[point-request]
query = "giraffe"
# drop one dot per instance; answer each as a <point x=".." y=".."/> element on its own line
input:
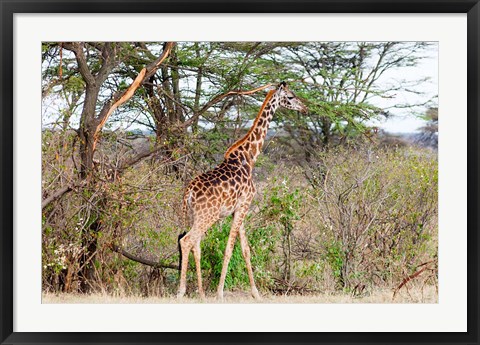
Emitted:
<point x="229" y="189"/>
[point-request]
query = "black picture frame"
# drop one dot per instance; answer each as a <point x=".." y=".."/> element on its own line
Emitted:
<point x="9" y="7"/>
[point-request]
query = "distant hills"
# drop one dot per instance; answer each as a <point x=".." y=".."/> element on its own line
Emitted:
<point x="422" y="139"/>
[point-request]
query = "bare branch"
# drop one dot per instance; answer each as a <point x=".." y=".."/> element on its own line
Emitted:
<point x="134" y="160"/>
<point x="135" y="258"/>
<point x="108" y="55"/>
<point x="58" y="194"/>
<point x="412" y="276"/>
<point x="122" y="97"/>
<point x="77" y="49"/>
<point x="217" y="99"/>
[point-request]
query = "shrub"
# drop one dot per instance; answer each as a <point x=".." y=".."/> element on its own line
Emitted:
<point x="378" y="212"/>
<point x="356" y="215"/>
<point x="261" y="241"/>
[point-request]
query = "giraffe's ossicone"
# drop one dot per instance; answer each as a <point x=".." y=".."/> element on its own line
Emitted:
<point x="229" y="189"/>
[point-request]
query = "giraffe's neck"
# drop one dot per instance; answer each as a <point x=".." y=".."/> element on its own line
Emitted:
<point x="249" y="147"/>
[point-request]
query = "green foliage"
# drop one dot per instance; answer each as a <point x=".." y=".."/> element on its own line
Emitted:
<point x="262" y="244"/>
<point x="335" y="257"/>
<point x="337" y="81"/>
<point x="282" y="207"/>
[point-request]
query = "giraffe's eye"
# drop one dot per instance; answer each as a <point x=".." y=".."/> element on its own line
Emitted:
<point x="290" y="97"/>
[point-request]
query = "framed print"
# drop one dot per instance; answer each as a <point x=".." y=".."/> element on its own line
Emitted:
<point x="337" y="141"/>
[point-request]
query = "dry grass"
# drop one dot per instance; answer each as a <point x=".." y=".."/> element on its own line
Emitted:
<point x="427" y="294"/>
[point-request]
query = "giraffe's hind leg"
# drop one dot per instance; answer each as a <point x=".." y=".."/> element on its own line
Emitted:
<point x="186" y="244"/>
<point x="191" y="241"/>
<point x="197" y="255"/>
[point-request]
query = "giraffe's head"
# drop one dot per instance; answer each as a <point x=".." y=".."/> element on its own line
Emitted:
<point x="288" y="99"/>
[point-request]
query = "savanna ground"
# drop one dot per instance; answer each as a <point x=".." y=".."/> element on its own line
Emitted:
<point x="415" y="294"/>
<point x="343" y="214"/>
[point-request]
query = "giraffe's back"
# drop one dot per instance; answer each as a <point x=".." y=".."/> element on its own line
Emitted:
<point x="218" y="192"/>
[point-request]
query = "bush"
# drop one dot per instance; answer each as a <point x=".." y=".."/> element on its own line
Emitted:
<point x="262" y="244"/>
<point x="378" y="212"/>
<point x="359" y="215"/>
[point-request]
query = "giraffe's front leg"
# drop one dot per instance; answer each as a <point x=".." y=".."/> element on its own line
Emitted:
<point x="238" y="217"/>
<point x="246" y="256"/>
<point x="226" y="259"/>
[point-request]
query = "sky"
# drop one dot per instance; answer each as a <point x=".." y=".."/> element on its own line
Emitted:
<point x="407" y="120"/>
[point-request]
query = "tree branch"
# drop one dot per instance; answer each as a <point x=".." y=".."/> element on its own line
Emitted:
<point x="155" y="65"/>
<point x="58" y="194"/>
<point x="61" y="192"/>
<point x="217" y="99"/>
<point x="135" y="258"/>
<point x="121" y="98"/>
<point x="134" y="160"/>
<point x="108" y="54"/>
<point x="77" y="49"/>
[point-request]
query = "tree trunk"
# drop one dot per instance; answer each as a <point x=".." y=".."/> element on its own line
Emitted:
<point x="327" y="131"/>
<point x="87" y="150"/>
<point x="90" y="232"/>
<point x="87" y="260"/>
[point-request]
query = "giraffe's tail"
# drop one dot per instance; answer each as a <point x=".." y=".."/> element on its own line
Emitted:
<point x="180" y="250"/>
<point x="185" y="205"/>
<point x="186" y="199"/>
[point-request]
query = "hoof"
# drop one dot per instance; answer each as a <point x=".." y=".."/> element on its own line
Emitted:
<point x="256" y="295"/>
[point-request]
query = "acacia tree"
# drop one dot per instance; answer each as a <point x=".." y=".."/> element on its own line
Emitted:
<point x="339" y="81"/>
<point x="203" y="82"/>
<point x="96" y="62"/>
